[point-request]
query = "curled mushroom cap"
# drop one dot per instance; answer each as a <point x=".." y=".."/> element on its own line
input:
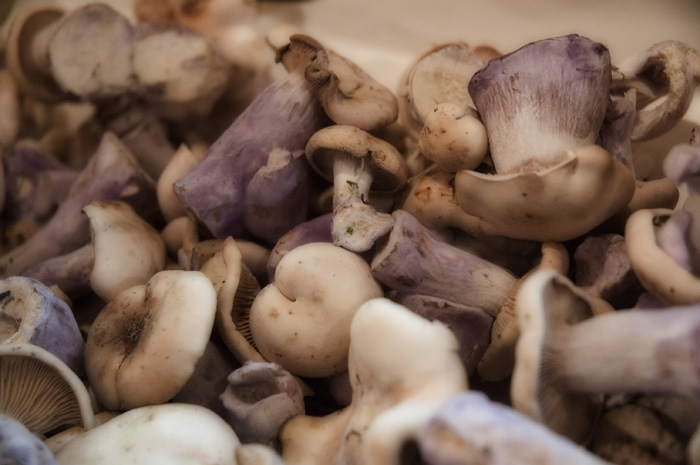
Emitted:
<point x="144" y="344"/>
<point x="302" y="320"/>
<point x="347" y="93"/>
<point x="559" y="203"/>
<point x="176" y="433"/>
<point x="41" y="391"/>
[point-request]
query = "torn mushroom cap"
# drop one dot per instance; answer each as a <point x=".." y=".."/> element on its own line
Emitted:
<point x="658" y="272"/>
<point x="41" y="391"/>
<point x="347" y="93"/>
<point x="173" y="433"/>
<point x="435" y="77"/>
<point x="301" y="321"/>
<point x="143" y="345"/>
<point x="356" y="162"/>
<point x="542" y="100"/>
<point x="665" y="76"/>
<point x="557" y="203"/>
<point x="27" y="51"/>
<point x="128" y="250"/>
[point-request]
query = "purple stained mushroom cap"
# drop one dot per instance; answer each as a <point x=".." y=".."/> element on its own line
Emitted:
<point x="19" y="446"/>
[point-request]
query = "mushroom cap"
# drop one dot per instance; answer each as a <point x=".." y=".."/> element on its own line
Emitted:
<point x="382" y="159"/>
<point x="144" y="344"/>
<point x="27" y="51"/>
<point x="547" y="303"/>
<point x="41" y="391"/>
<point x="656" y="269"/>
<point x="174" y="433"/>
<point x="19" y="446"/>
<point x="302" y="320"/>
<point x="554" y="204"/>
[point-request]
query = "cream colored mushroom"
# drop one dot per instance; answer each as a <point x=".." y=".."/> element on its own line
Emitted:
<point x="143" y="345"/>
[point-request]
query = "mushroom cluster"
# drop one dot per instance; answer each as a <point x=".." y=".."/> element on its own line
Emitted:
<point x="223" y="244"/>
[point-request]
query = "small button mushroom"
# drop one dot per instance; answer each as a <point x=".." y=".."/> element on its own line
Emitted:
<point x="566" y="358"/>
<point x="259" y="398"/>
<point x="144" y="344"/>
<point x="31" y="313"/>
<point x="111" y="174"/>
<point x="20" y="446"/>
<point x="175" y="433"/>
<point x="128" y="250"/>
<point x="453" y="137"/>
<point x="318" y="287"/>
<point x="40" y="391"/>
<point x="356" y="162"/>
<point x="469" y="428"/>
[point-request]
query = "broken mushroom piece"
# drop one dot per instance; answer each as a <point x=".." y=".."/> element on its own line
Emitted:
<point x="41" y="391"/>
<point x="346" y="92"/>
<point x="356" y="161"/>
<point x="567" y="358"/>
<point x="259" y="398"/>
<point x="175" y="433"/>
<point x="402" y="368"/>
<point x="31" y="313"/>
<point x="144" y="344"/>
<point x="301" y="321"/>
<point x="470" y="428"/>
<point x="128" y="250"/>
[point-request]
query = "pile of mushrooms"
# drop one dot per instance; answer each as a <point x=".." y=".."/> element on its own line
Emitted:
<point x="258" y="254"/>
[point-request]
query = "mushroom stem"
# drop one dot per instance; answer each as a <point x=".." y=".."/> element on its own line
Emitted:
<point x="606" y="353"/>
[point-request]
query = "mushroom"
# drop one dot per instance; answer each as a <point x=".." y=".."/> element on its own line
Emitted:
<point x="402" y="368"/>
<point x="301" y="321"/>
<point x="18" y="445"/>
<point x="182" y="162"/>
<point x="40" y="391"/>
<point x="69" y="272"/>
<point x="415" y="261"/>
<point x="355" y="161"/>
<point x="543" y="106"/>
<point x="664" y="77"/>
<point x="144" y="344"/>
<point x="10" y="105"/>
<point x="469" y="428"/>
<point x="663" y="244"/>
<point x="176" y="433"/>
<point x="111" y="174"/>
<point x="347" y="93"/>
<point x="31" y="313"/>
<point x="566" y="358"/>
<point x="289" y="113"/>
<point x="128" y="250"/>
<point x="259" y="398"/>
